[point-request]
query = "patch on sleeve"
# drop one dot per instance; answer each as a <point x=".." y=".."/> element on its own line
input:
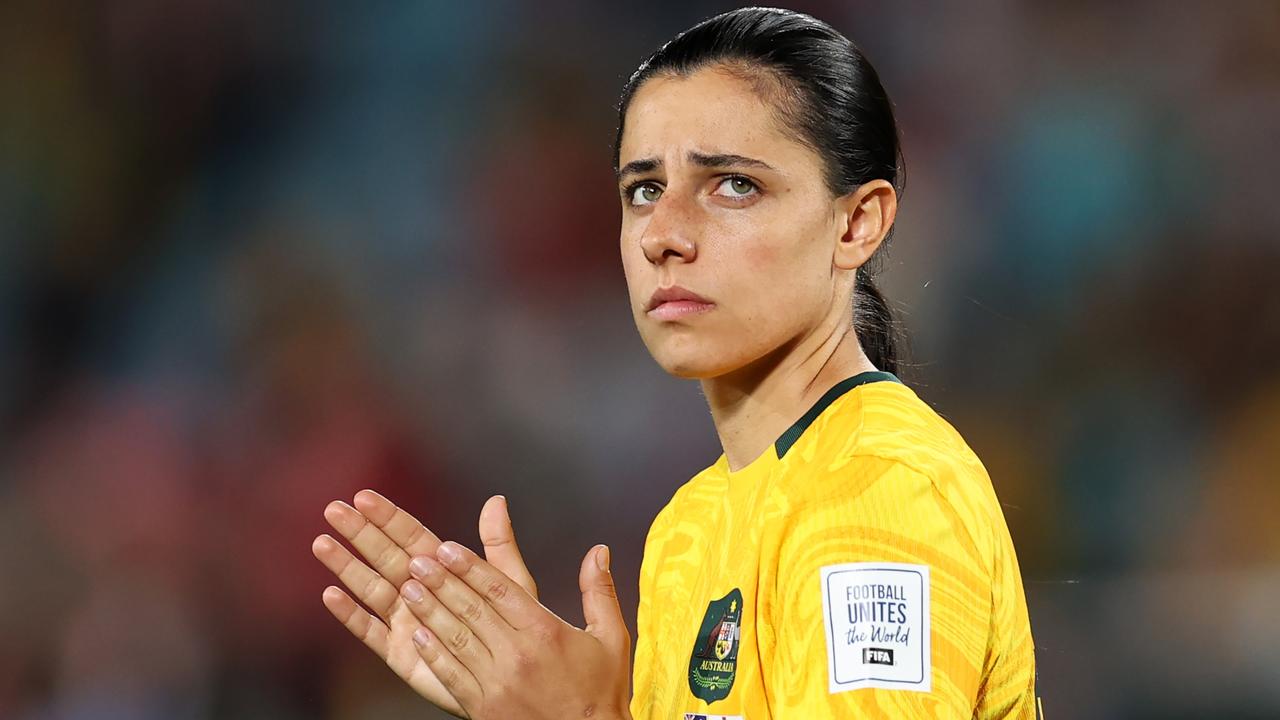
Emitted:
<point x="877" y="623"/>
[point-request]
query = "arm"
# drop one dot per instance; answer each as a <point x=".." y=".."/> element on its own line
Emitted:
<point x="883" y="602"/>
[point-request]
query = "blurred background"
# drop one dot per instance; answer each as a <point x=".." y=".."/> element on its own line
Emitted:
<point x="257" y="256"/>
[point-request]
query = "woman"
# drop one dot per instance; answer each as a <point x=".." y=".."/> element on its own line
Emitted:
<point x="846" y="555"/>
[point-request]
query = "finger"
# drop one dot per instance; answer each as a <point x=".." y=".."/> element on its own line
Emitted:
<point x="367" y="628"/>
<point x="455" y="676"/>
<point x="462" y="603"/>
<point x="403" y="528"/>
<point x="386" y="558"/>
<point x="499" y="540"/>
<point x="600" y="602"/>
<point x="460" y="640"/>
<point x="368" y="587"/>
<point x="499" y="592"/>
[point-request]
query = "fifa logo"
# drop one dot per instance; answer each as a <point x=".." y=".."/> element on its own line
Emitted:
<point x="877" y="656"/>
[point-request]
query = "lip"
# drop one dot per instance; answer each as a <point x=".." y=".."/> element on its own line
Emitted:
<point x="674" y="302"/>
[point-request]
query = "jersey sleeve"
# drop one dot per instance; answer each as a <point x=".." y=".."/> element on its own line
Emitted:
<point x="883" y="600"/>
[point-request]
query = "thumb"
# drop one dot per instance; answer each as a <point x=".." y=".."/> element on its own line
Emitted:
<point x="600" y="602"/>
<point x="499" y="540"/>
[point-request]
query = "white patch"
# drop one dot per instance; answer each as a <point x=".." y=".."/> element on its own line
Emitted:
<point x="704" y="716"/>
<point x="877" y="622"/>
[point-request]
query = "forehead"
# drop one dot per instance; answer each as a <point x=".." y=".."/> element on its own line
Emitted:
<point x="710" y="110"/>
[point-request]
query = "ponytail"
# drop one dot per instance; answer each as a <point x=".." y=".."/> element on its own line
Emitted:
<point x="878" y="332"/>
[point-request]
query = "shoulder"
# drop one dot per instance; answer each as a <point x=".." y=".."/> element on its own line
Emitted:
<point x="886" y="433"/>
<point x="885" y="457"/>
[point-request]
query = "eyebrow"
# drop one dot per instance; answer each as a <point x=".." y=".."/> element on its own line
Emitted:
<point x="716" y="160"/>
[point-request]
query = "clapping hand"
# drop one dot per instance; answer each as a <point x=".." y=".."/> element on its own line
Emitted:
<point x="469" y="634"/>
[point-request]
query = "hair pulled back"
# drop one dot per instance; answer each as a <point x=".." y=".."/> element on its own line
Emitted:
<point x="827" y="94"/>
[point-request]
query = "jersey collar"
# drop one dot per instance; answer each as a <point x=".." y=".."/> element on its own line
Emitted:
<point x="793" y="433"/>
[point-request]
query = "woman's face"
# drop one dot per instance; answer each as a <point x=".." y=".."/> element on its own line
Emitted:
<point x="718" y="199"/>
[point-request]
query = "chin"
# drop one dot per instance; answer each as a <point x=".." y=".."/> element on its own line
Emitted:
<point x="687" y="371"/>
<point x="689" y="361"/>
<point x="696" y="353"/>
<point x="700" y="358"/>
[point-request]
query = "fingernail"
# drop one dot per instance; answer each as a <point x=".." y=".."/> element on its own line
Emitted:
<point x="420" y="566"/>
<point x="449" y="552"/>
<point x="412" y="591"/>
<point x="421" y="637"/>
<point x="602" y="558"/>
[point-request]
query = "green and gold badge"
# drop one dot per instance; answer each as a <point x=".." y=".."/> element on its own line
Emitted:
<point x="714" y="661"/>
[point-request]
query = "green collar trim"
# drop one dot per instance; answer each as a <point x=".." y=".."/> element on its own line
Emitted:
<point x="793" y="433"/>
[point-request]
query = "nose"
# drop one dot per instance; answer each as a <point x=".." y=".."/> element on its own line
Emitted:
<point x="669" y="234"/>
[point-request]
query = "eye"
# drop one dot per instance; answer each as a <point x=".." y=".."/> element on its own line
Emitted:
<point x="736" y="186"/>
<point x="644" y="193"/>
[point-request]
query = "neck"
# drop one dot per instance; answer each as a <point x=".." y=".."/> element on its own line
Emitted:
<point x="752" y="406"/>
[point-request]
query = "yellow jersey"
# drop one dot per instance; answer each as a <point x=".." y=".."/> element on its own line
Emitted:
<point x="860" y="567"/>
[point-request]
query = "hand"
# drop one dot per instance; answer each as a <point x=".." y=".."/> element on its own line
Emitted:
<point x="387" y="537"/>
<point x="501" y="654"/>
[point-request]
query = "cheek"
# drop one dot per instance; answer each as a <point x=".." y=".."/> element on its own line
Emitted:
<point x="781" y="270"/>
<point x="789" y="282"/>
<point x="764" y="265"/>
<point x="761" y="259"/>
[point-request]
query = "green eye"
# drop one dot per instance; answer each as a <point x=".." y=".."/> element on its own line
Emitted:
<point x="645" y="193"/>
<point x="736" y="187"/>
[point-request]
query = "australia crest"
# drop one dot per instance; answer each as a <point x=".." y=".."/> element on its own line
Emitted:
<point x="714" y="661"/>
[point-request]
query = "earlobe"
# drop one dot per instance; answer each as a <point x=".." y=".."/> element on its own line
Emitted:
<point x="869" y="213"/>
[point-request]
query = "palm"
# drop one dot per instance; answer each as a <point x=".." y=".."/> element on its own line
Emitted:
<point x="389" y="538"/>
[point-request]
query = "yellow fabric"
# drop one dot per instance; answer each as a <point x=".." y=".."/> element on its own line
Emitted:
<point x="877" y="476"/>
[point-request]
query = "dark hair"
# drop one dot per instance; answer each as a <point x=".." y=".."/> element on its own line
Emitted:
<point x="827" y="93"/>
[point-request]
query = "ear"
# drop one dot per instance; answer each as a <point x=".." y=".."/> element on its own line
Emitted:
<point x="867" y="214"/>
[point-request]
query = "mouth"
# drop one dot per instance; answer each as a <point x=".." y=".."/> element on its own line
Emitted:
<point x="675" y="302"/>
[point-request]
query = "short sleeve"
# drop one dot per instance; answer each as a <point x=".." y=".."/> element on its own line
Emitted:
<point x="883" y="599"/>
